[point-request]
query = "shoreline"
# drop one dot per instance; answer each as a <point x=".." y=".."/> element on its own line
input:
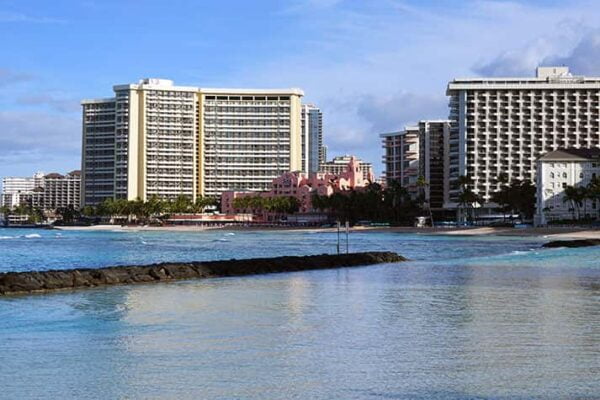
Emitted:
<point x="542" y="232"/>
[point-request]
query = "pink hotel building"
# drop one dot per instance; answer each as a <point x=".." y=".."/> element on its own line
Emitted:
<point x="303" y="186"/>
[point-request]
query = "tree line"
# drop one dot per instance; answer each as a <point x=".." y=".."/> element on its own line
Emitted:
<point x="141" y="210"/>
<point x="375" y="203"/>
<point x="395" y="205"/>
<point x="280" y="205"/>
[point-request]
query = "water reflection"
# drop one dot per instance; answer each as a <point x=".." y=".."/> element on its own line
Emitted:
<point x="414" y="330"/>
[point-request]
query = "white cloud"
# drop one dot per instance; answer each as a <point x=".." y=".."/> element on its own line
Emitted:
<point x="386" y="64"/>
<point x="516" y="62"/>
<point x="583" y="59"/>
<point x="9" y="77"/>
<point x="8" y="16"/>
<point x="54" y="102"/>
<point x="37" y="137"/>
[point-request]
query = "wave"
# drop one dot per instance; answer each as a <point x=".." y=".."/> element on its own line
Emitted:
<point x="7" y="237"/>
<point x="33" y="236"/>
<point x="230" y="234"/>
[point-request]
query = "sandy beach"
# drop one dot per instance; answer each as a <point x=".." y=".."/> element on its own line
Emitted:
<point x="547" y="232"/>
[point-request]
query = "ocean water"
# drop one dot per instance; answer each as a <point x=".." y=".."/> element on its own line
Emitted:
<point x="466" y="318"/>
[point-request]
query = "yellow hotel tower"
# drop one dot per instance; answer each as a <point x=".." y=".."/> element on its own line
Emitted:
<point x="154" y="138"/>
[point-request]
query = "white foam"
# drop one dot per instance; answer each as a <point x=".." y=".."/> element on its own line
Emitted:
<point x="33" y="236"/>
<point x="6" y="237"/>
<point x="519" y="252"/>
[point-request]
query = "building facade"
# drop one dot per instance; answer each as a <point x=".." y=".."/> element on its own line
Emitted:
<point x="16" y="189"/>
<point x="313" y="150"/>
<point x="303" y="186"/>
<point x="557" y="170"/>
<point x="45" y="191"/>
<point x="503" y="125"/>
<point x="60" y="191"/>
<point x="338" y="166"/>
<point x="401" y="158"/>
<point x="157" y="139"/>
<point x="433" y="161"/>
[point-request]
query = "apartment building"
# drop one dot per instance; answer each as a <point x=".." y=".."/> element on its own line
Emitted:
<point x="555" y="171"/>
<point x="401" y="158"/>
<point x="155" y="138"/>
<point x="60" y="191"/>
<point x="14" y="189"/>
<point x="503" y="125"/>
<point x="313" y="150"/>
<point x="45" y="191"/>
<point x="433" y="161"/>
<point x="98" y="150"/>
<point x="338" y="166"/>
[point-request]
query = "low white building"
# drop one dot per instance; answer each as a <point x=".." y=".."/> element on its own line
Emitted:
<point x="45" y="191"/>
<point x="561" y="168"/>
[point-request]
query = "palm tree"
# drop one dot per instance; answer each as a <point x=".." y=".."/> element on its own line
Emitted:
<point x="464" y="181"/>
<point x="467" y="198"/>
<point x="593" y="192"/>
<point x="182" y="204"/>
<point x="574" y="196"/>
<point x="5" y="211"/>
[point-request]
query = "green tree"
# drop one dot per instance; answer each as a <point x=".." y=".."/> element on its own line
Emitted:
<point x="182" y="204"/>
<point x="68" y="214"/>
<point x="422" y="185"/>
<point x="576" y="196"/>
<point x="593" y="192"/>
<point x="464" y="182"/>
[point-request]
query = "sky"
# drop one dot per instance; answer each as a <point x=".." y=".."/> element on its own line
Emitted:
<point x="372" y="66"/>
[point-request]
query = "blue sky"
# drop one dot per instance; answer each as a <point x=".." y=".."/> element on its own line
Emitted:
<point x="372" y="66"/>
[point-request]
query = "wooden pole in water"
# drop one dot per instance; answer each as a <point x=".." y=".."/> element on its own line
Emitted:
<point x="338" y="237"/>
<point x="347" y="232"/>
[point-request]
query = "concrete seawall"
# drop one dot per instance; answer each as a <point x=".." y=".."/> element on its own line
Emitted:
<point x="44" y="281"/>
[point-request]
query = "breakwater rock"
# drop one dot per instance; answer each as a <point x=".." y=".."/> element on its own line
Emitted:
<point x="573" y="243"/>
<point x="41" y="281"/>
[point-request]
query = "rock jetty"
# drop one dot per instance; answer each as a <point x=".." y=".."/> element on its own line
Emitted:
<point x="572" y="243"/>
<point x="43" y="281"/>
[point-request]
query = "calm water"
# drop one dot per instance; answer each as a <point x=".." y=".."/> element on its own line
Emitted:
<point x="467" y="318"/>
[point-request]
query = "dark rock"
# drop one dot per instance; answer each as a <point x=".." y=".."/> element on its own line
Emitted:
<point x="28" y="282"/>
<point x="572" y="243"/>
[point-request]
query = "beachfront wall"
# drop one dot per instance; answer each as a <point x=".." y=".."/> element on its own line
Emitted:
<point x="302" y="186"/>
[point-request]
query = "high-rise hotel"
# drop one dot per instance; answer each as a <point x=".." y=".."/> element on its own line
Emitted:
<point x="313" y="150"/>
<point x="154" y="138"/>
<point x="503" y="125"/>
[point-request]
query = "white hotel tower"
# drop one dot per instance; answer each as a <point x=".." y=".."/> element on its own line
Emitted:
<point x="503" y="125"/>
<point x="154" y="138"/>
